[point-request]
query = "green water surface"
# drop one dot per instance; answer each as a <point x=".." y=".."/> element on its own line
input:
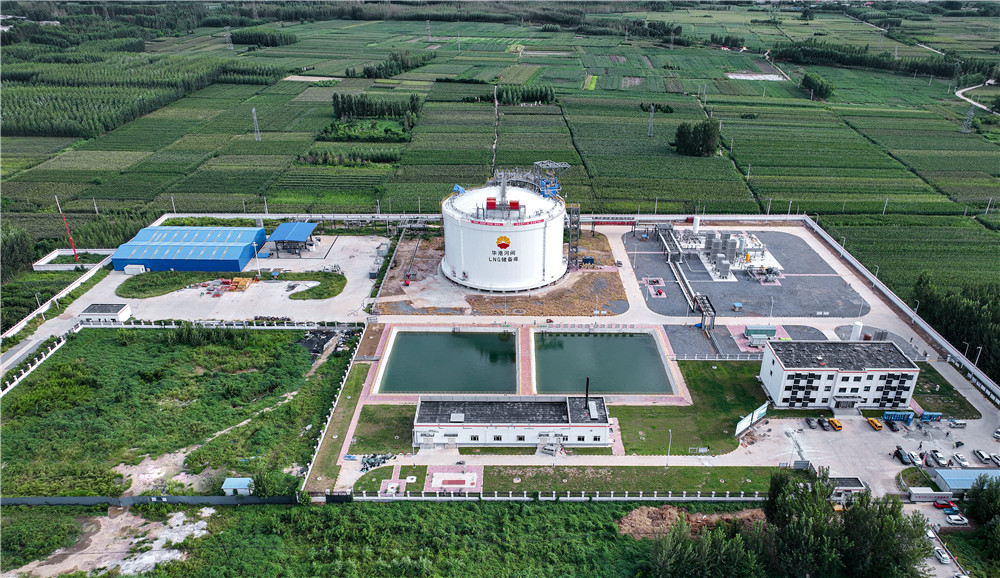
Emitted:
<point x="615" y="363"/>
<point x="444" y="362"/>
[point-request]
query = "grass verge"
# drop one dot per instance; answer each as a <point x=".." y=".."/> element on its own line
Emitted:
<point x="501" y="451"/>
<point x="325" y="470"/>
<point x="330" y="284"/>
<point x="721" y="396"/>
<point x="620" y="479"/>
<point x="384" y="429"/>
<point x="934" y="393"/>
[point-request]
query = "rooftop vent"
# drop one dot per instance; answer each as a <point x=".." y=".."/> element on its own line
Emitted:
<point x="457" y="417"/>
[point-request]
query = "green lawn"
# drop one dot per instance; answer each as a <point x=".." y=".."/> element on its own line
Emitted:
<point x="721" y="397"/>
<point x="626" y="478"/>
<point x="934" y="393"/>
<point x="915" y="477"/>
<point x="156" y="283"/>
<point x="372" y="481"/>
<point x="330" y="284"/>
<point x="384" y="429"/>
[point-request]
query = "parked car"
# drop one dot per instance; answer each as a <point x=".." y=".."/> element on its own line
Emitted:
<point x="939" y="458"/>
<point x="892" y="425"/>
<point x="996" y="459"/>
<point x="981" y="456"/>
<point x="942" y="556"/>
<point x="823" y="423"/>
<point x="903" y="456"/>
<point x="961" y="460"/>
<point x="996" y="434"/>
<point x="952" y="511"/>
<point x="811" y="423"/>
<point x="835" y="424"/>
<point x="956" y="520"/>
<point x="917" y="461"/>
<point x="942" y="504"/>
<point x="876" y="424"/>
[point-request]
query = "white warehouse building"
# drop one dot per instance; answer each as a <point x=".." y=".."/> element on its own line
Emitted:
<point x="504" y="237"/>
<point x="841" y="374"/>
<point x="516" y="420"/>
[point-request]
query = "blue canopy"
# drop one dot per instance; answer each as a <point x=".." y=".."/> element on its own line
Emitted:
<point x="294" y="232"/>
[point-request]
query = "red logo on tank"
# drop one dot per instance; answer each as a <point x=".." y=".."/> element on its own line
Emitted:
<point x="503" y="242"/>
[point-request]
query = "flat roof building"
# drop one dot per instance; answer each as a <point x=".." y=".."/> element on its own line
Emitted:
<point x="958" y="480"/>
<point x="511" y="421"/>
<point x="107" y="312"/>
<point x="843" y="374"/>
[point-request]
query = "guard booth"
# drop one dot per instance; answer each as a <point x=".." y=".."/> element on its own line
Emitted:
<point x="759" y="334"/>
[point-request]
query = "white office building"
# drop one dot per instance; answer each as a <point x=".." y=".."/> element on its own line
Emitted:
<point x="516" y="420"/>
<point x="838" y="374"/>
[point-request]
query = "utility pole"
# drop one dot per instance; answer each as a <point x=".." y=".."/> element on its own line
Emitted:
<point x="649" y="132"/>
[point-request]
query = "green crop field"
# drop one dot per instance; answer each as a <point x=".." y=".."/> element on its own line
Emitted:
<point x="167" y="124"/>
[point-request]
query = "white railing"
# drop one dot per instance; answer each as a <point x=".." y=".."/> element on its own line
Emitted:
<point x="8" y="385"/>
<point x="333" y="408"/>
<point x="554" y="496"/>
<point x="45" y="306"/>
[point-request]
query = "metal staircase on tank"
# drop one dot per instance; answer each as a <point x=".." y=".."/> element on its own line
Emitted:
<point x="573" y="213"/>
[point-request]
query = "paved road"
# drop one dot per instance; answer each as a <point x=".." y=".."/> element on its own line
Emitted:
<point x="961" y="94"/>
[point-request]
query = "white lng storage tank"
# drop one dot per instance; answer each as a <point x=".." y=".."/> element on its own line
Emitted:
<point x="506" y="236"/>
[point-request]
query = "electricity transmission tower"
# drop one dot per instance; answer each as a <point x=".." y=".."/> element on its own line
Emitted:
<point x="256" y="127"/>
<point x="967" y="123"/>
<point x="649" y="132"/>
<point x="428" y="30"/>
<point x="229" y="39"/>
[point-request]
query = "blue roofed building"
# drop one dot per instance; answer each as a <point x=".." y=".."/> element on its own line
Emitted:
<point x="191" y="248"/>
<point x="958" y="480"/>
<point x="237" y="486"/>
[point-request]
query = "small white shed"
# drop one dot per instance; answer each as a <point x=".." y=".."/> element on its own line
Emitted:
<point x="107" y="312"/>
<point x="238" y="487"/>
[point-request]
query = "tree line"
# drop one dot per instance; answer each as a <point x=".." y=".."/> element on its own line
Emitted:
<point x="967" y="314"/>
<point x="261" y="36"/>
<point x="802" y="535"/>
<point x="817" y="86"/>
<point x="397" y="63"/>
<point x="697" y="139"/>
<point x="352" y="157"/>
<point x="347" y="106"/>
<point x="516" y="94"/>
<point x="828" y="54"/>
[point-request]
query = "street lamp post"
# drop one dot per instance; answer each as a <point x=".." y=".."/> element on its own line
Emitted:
<point x="39" y="305"/>
<point x="978" y="351"/>
<point x="670" y="441"/>
<point x="771" y="314"/>
<point x="256" y="259"/>
<point x="966" y="354"/>
<point x="915" y="311"/>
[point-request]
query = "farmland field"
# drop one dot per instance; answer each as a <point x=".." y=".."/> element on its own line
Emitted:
<point x="884" y="141"/>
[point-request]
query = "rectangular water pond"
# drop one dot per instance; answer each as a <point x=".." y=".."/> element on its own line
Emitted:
<point x="445" y="362"/>
<point x="615" y="362"/>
